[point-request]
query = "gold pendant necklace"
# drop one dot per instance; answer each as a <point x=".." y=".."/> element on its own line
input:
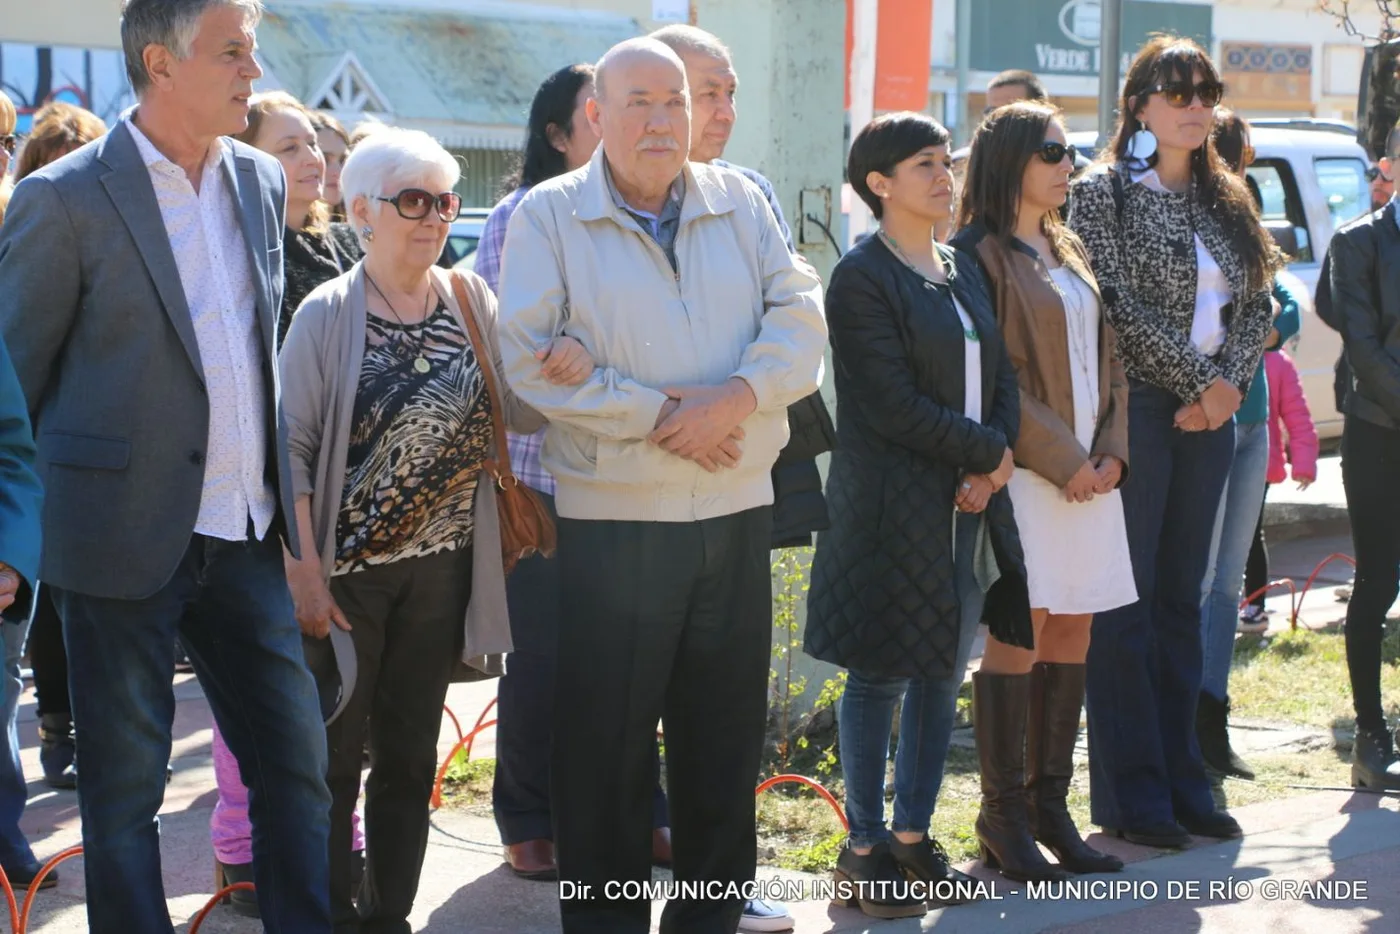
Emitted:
<point x="420" y="362"/>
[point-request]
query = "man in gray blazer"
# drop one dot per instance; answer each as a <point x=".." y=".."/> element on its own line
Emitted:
<point x="139" y="280"/>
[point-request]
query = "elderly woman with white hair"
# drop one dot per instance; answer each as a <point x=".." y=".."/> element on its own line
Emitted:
<point x="390" y="412"/>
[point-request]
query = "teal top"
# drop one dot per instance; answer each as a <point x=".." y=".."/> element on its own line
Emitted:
<point x="1254" y="410"/>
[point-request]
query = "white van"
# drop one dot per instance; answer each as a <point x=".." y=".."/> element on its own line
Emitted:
<point x="1311" y="176"/>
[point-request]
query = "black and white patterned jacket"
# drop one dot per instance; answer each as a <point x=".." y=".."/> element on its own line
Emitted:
<point x="1147" y="273"/>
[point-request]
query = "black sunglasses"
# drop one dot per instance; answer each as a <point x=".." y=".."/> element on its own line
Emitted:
<point x="1180" y="94"/>
<point x="413" y="204"/>
<point x="1374" y="172"/>
<point x="8" y="142"/>
<point x="1053" y="153"/>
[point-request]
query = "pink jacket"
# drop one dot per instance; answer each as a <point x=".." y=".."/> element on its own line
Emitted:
<point x="1288" y="414"/>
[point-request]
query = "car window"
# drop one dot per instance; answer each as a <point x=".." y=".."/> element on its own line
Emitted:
<point x="1343" y="182"/>
<point x="1281" y="206"/>
<point x="460" y="246"/>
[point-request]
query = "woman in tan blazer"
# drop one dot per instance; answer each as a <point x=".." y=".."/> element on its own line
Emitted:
<point x="1072" y="451"/>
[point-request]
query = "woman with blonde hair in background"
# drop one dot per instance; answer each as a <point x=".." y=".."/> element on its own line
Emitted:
<point x="9" y="142"/>
<point x="314" y="250"/>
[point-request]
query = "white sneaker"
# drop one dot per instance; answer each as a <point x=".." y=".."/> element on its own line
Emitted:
<point x="1253" y="619"/>
<point x="761" y="916"/>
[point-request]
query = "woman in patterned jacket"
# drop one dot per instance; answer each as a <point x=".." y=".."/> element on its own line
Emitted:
<point x="1184" y="268"/>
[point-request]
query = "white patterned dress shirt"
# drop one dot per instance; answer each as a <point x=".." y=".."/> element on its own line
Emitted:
<point x="217" y="275"/>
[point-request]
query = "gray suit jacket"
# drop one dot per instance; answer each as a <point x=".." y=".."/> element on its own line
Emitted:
<point x="96" y="321"/>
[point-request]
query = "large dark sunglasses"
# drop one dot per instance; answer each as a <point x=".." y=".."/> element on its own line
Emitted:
<point x="1052" y="153"/>
<point x="413" y="204"/>
<point x="8" y="142"/>
<point x="1180" y="94"/>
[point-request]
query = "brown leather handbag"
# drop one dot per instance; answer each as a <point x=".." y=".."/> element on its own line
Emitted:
<point x="526" y="526"/>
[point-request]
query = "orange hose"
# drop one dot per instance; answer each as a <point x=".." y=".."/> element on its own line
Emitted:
<point x="38" y="878"/>
<point x="435" y="801"/>
<point x="213" y="902"/>
<point x="479" y="720"/>
<point x="803" y="780"/>
<point x="1298" y="598"/>
<point x="10" y="899"/>
<point x="453" y="717"/>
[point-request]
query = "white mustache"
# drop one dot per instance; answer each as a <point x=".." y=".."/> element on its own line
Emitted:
<point x="656" y="142"/>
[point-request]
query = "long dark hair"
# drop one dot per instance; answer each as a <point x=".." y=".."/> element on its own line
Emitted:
<point x="1164" y="59"/>
<point x="1002" y="146"/>
<point x="553" y="106"/>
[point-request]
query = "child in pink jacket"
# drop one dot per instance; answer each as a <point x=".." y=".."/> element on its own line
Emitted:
<point x="1289" y="417"/>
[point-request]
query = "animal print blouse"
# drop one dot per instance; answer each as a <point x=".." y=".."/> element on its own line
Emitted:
<point x="1143" y="253"/>
<point x="418" y="438"/>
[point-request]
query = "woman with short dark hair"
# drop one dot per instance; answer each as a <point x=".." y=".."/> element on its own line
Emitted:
<point x="922" y="535"/>
<point x="1184" y="268"/>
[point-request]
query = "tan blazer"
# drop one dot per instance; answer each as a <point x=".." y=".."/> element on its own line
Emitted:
<point x="1031" y="316"/>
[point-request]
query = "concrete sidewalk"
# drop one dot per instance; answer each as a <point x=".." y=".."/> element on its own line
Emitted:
<point x="1324" y="836"/>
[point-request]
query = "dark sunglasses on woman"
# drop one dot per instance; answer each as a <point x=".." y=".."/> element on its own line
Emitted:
<point x="413" y="204"/>
<point x="1054" y="153"/>
<point x="8" y="142"/>
<point x="1180" y="94"/>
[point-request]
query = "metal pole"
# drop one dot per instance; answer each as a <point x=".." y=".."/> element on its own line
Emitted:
<point x="1110" y="50"/>
<point x="865" y="29"/>
<point x="963" y="132"/>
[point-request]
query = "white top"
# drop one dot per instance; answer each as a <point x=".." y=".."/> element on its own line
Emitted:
<point x="216" y="274"/>
<point x="972" y="365"/>
<point x="1077" y="558"/>
<point x="1082" y="335"/>
<point x="1212" y="288"/>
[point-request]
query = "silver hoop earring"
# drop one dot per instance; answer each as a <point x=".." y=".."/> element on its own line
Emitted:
<point x="367" y="233"/>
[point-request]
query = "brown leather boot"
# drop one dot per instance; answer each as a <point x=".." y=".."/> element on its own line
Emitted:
<point x="1056" y="697"/>
<point x="999" y="722"/>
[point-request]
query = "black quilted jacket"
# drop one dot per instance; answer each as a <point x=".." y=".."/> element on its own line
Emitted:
<point x="799" y="507"/>
<point x="883" y="598"/>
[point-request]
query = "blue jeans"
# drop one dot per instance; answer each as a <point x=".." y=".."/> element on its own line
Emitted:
<point x="228" y="602"/>
<point x="1144" y="665"/>
<point x="1235" y="523"/>
<point x="15" y="853"/>
<point x="866" y="715"/>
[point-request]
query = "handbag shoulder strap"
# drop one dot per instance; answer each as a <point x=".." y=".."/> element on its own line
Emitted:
<point x="488" y="373"/>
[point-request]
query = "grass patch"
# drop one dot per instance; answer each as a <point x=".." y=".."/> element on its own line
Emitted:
<point x="1301" y="677"/>
<point x="467" y="782"/>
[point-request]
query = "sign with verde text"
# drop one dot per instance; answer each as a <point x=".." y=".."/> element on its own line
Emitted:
<point x="1061" y="37"/>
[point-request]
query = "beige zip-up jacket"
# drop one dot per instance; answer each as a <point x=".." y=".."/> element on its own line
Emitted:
<point x="576" y="264"/>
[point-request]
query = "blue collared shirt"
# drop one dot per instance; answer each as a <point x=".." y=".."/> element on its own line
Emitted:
<point x="663" y="227"/>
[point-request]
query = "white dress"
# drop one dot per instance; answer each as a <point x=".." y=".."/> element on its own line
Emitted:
<point x="1076" y="553"/>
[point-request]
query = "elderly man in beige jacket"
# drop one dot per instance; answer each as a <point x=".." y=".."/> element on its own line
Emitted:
<point x="676" y="279"/>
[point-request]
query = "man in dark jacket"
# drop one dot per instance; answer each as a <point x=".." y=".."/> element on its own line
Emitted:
<point x="1364" y="305"/>
<point x="799" y="508"/>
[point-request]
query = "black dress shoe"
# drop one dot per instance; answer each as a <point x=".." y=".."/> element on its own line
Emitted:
<point x="1170" y="836"/>
<point x="927" y="862"/>
<point x="24" y="878"/>
<point x="1216" y="824"/>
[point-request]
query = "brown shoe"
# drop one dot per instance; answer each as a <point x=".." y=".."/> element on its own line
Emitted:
<point x="533" y="859"/>
<point x="661" y="847"/>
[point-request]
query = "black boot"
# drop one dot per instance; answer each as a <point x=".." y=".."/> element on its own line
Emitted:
<point x="57" y="751"/>
<point x="1057" y="695"/>
<point x="926" y="862"/>
<point x="1213" y="734"/>
<point x="999" y="705"/>
<point x="1373" y="761"/>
